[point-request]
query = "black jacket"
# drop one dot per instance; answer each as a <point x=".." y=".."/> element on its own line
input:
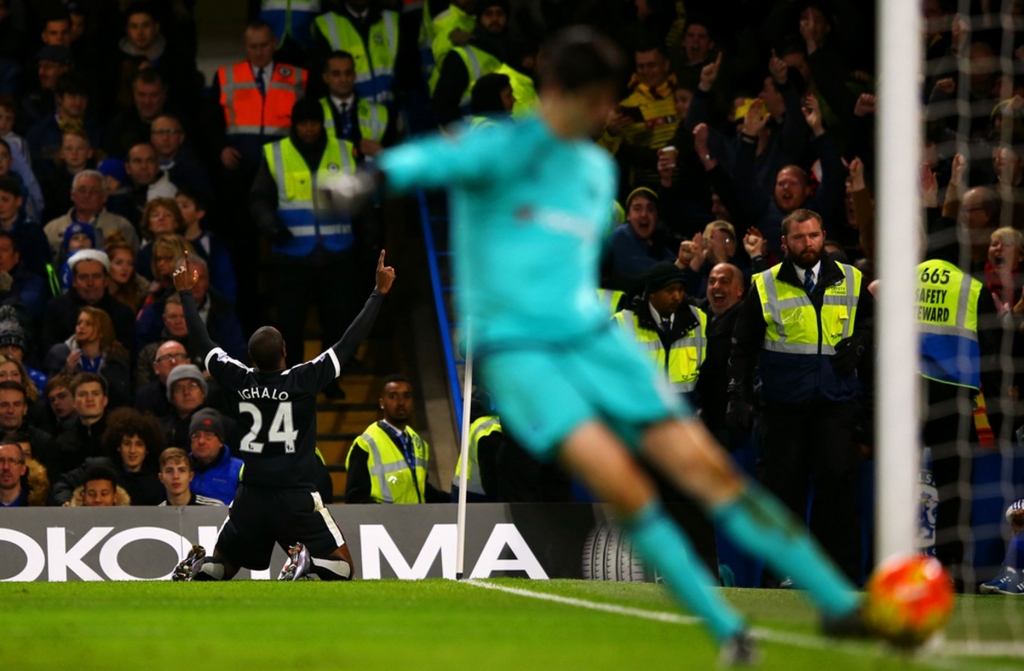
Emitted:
<point x="796" y="378"/>
<point x="80" y="443"/>
<point x="713" y="383"/>
<point x="144" y="488"/>
<point x="152" y="399"/>
<point x="684" y="322"/>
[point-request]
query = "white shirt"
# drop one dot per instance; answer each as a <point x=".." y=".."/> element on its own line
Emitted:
<point x="268" y="74"/>
<point x="350" y="101"/>
<point x="204" y="309"/>
<point x="658" y="318"/>
<point x="400" y="432"/>
<point x="358" y="15"/>
<point x="800" y="273"/>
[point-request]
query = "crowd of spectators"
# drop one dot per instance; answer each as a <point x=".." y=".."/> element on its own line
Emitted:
<point x="742" y="120"/>
<point x="740" y="133"/>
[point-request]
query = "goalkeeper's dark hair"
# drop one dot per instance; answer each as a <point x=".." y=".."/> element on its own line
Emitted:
<point x="266" y="348"/>
<point x="581" y="56"/>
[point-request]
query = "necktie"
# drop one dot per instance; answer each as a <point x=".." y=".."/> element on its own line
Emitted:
<point x="809" y="281"/>
<point x="260" y="84"/>
<point x="346" y="122"/>
<point x="666" y="324"/>
<point x="410" y="456"/>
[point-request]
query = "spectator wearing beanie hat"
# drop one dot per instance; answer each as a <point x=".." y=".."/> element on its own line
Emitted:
<point x="14" y="343"/>
<point x="115" y="177"/>
<point x="88" y="286"/>
<point x="187" y="392"/>
<point x="216" y="470"/>
<point x="77" y="236"/>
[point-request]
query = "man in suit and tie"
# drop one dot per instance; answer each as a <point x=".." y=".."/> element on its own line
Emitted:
<point x="363" y="123"/>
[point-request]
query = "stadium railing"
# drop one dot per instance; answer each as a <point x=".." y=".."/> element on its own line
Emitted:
<point x="434" y="220"/>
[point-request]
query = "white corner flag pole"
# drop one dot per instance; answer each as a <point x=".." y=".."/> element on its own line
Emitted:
<point x="898" y="154"/>
<point x="467" y="398"/>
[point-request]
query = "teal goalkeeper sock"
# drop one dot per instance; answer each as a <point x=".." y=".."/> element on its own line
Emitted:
<point x="758" y="524"/>
<point x="665" y="547"/>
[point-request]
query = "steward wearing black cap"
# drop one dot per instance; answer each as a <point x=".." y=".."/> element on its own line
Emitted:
<point x="312" y="245"/>
<point x="671" y="330"/>
<point x="463" y="66"/>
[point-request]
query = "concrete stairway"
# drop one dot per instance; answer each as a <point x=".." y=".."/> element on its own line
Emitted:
<point x="338" y="423"/>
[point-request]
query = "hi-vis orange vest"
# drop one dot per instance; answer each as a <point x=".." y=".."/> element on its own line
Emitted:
<point x="248" y="112"/>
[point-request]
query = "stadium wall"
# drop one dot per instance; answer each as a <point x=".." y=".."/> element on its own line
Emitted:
<point x="537" y="541"/>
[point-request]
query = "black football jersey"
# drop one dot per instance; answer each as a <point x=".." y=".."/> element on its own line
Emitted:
<point x="277" y="411"/>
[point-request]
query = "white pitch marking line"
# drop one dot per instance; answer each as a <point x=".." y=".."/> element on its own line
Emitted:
<point x="967" y="649"/>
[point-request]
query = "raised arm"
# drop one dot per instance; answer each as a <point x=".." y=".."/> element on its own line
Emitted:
<point x="184" y="279"/>
<point x="360" y="327"/>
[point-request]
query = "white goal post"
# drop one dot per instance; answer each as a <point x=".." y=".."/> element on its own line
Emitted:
<point x="899" y="138"/>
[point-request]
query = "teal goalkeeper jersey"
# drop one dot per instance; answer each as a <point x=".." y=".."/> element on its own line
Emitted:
<point x="529" y="212"/>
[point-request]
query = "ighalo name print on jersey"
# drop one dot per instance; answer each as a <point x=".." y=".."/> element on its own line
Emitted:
<point x="278" y="413"/>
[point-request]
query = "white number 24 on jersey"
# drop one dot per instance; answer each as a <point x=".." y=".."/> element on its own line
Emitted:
<point x="282" y="428"/>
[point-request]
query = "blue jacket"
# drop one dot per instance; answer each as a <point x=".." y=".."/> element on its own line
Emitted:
<point x="631" y="256"/>
<point x="219" y="480"/>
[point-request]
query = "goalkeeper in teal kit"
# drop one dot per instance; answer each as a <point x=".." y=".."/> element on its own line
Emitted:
<point x="529" y="204"/>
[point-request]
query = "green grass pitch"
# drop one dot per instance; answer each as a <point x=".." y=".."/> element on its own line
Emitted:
<point x="432" y="624"/>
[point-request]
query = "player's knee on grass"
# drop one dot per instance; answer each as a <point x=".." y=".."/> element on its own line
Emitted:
<point x="216" y="568"/>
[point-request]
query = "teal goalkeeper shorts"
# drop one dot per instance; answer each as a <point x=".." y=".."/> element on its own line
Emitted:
<point x="543" y="392"/>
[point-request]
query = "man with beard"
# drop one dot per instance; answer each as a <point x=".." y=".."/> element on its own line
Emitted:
<point x="806" y="324"/>
<point x="393" y="447"/>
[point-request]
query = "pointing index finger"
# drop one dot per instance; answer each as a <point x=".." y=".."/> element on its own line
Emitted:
<point x="380" y="262"/>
